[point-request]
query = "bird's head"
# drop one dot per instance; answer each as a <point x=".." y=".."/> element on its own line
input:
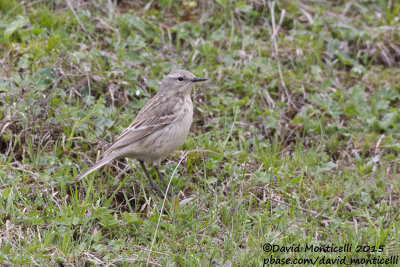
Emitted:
<point x="179" y="81"/>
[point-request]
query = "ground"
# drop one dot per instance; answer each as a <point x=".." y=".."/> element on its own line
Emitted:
<point x="295" y="139"/>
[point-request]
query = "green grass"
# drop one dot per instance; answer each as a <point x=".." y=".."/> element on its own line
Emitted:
<point x="308" y="156"/>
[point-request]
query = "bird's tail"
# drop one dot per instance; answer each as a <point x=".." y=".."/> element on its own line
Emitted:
<point x="96" y="166"/>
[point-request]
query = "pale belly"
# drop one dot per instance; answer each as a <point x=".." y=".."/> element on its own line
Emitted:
<point x="159" y="145"/>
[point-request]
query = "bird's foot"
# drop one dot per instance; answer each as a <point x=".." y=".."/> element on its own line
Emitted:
<point x="163" y="181"/>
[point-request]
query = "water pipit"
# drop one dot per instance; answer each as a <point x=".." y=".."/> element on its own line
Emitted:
<point x="160" y="127"/>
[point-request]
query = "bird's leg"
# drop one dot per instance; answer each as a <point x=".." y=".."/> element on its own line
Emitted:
<point x="148" y="176"/>
<point x="162" y="179"/>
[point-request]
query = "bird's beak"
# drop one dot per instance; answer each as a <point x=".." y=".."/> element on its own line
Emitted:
<point x="195" y="80"/>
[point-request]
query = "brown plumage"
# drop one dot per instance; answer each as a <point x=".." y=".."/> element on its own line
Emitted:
<point x="160" y="127"/>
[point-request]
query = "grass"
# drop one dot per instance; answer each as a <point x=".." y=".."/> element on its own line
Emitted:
<point x="295" y="137"/>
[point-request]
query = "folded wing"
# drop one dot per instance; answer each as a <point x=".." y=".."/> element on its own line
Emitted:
<point x="140" y="129"/>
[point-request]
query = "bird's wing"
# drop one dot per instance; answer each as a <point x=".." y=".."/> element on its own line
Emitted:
<point x="158" y="113"/>
<point x="140" y="129"/>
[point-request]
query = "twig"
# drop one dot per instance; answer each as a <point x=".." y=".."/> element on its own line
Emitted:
<point x="79" y="21"/>
<point x="162" y="207"/>
<point x="116" y="31"/>
<point x="275" y="31"/>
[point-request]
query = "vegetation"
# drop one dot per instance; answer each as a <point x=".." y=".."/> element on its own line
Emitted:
<point x="295" y="137"/>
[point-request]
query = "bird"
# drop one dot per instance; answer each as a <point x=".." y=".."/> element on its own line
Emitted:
<point x="159" y="128"/>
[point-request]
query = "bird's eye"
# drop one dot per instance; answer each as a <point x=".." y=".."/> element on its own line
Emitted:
<point x="180" y="79"/>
